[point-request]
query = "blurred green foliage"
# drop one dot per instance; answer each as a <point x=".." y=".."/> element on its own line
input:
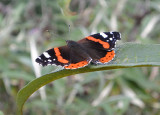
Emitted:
<point x="31" y="27"/>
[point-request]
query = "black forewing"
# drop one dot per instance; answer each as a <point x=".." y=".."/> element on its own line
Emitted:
<point x="52" y="59"/>
<point x="110" y="37"/>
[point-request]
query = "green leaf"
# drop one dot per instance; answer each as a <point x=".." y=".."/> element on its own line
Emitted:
<point x="127" y="55"/>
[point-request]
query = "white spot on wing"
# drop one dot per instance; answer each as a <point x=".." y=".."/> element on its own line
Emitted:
<point x="111" y="32"/>
<point x="111" y="39"/>
<point x="46" y="55"/>
<point x="104" y="35"/>
<point x="50" y="60"/>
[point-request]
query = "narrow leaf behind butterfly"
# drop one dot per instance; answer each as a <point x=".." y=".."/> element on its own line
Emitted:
<point x="127" y="55"/>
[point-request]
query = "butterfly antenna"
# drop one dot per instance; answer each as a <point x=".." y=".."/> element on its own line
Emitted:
<point x="69" y="26"/>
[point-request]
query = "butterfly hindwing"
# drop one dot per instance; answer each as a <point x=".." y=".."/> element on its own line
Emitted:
<point x="78" y="56"/>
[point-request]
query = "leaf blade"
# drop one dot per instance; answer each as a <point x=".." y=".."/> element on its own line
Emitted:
<point x="127" y="55"/>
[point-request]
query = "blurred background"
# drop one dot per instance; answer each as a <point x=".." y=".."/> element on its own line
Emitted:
<point x="29" y="27"/>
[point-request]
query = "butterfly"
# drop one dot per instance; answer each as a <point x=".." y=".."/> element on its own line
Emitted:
<point x="96" y="48"/>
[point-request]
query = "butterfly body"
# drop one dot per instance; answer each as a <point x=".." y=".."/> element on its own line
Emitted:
<point x="96" y="48"/>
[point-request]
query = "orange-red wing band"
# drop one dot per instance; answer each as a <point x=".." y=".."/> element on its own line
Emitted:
<point x="104" y="44"/>
<point x="59" y="57"/>
<point x="108" y="57"/>
<point x="77" y="65"/>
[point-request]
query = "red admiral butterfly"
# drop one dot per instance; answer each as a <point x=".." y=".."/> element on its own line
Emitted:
<point x="96" y="48"/>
